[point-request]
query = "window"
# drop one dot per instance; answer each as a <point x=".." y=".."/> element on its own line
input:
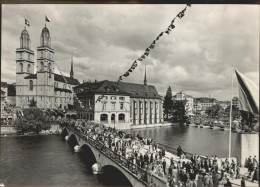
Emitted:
<point x="141" y="105"/>
<point x="146" y="105"/>
<point x="105" y="97"/>
<point x="121" y="117"/>
<point x="156" y="105"/>
<point x="20" y="55"/>
<point x="21" y="67"/>
<point x="122" y="98"/>
<point x="113" y="98"/>
<point x="104" y="106"/>
<point x="28" y="68"/>
<point x="135" y="105"/>
<point x="41" y="53"/>
<point x="113" y="106"/>
<point x="31" y="85"/>
<point x="42" y="66"/>
<point x="28" y="98"/>
<point x="151" y="106"/>
<point x="41" y="98"/>
<point x="121" y="106"/>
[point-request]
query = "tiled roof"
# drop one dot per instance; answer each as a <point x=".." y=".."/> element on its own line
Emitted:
<point x="72" y="81"/>
<point x="32" y="76"/>
<point x="140" y="90"/>
<point x="62" y="90"/>
<point x="131" y="89"/>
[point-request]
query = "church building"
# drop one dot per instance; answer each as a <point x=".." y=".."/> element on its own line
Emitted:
<point x="44" y="87"/>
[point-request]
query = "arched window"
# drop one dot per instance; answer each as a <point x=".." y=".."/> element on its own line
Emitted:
<point x="28" y="68"/>
<point x="49" y="67"/>
<point x="103" y="117"/>
<point x="31" y="85"/>
<point x="42" y="66"/>
<point x="21" y="67"/>
<point x="121" y="117"/>
<point x="113" y="116"/>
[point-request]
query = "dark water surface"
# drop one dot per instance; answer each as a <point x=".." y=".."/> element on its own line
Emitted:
<point x="50" y="161"/>
<point x="203" y="141"/>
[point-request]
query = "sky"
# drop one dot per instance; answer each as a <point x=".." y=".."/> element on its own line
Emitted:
<point x="104" y="40"/>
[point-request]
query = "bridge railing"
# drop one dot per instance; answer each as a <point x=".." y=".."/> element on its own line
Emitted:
<point x="142" y="175"/>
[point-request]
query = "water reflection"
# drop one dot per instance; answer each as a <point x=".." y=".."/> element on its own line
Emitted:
<point x="195" y="140"/>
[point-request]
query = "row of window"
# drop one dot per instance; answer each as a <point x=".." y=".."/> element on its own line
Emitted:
<point x="114" y="98"/>
<point x="113" y="106"/>
<point x="56" y="85"/>
<point x="146" y="105"/>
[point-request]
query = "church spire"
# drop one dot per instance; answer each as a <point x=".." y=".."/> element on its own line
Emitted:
<point x="71" y="70"/>
<point x="145" y="81"/>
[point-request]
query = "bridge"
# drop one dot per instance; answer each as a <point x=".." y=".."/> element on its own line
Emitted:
<point x="106" y="157"/>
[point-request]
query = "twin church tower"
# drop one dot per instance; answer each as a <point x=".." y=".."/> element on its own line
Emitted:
<point x="42" y="88"/>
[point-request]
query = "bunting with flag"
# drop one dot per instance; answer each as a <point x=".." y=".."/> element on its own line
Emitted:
<point x="248" y="94"/>
<point x="152" y="45"/>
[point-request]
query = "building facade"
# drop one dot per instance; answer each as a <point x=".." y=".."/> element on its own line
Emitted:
<point x="43" y="87"/>
<point x="181" y="96"/>
<point x="132" y="104"/>
<point x="202" y="103"/>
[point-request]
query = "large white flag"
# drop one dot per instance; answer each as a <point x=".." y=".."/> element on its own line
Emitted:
<point x="248" y="94"/>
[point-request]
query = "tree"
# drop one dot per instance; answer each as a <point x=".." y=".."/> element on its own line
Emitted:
<point x="179" y="112"/>
<point x="167" y="103"/>
<point x="248" y="120"/>
<point x="33" y="120"/>
<point x="235" y="111"/>
<point x="214" y="111"/>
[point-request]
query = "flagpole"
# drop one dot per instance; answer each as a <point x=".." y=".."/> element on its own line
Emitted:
<point x="230" y="115"/>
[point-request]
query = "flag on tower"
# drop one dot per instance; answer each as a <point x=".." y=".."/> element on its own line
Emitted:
<point x="46" y="19"/>
<point x="27" y="23"/>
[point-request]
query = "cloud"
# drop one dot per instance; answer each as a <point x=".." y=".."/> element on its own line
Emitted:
<point x="104" y="40"/>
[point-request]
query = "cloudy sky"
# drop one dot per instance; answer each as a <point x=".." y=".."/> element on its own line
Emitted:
<point x="195" y="57"/>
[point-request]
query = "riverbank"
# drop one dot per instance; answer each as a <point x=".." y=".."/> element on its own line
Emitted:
<point x="10" y="130"/>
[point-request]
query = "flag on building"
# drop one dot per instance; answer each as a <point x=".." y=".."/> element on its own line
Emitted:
<point x="46" y="19"/>
<point x="248" y="94"/>
<point x="27" y="23"/>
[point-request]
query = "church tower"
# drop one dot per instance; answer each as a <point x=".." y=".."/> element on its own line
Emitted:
<point x="45" y="71"/>
<point x="145" y="81"/>
<point x="71" y="69"/>
<point x="24" y="67"/>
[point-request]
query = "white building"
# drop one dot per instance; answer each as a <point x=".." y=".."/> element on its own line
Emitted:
<point x="181" y="96"/>
<point x="48" y="89"/>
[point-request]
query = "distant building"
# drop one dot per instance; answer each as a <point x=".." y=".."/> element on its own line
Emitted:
<point x="224" y="104"/>
<point x="235" y="102"/>
<point x="126" y="104"/>
<point x="200" y="104"/>
<point x="48" y="89"/>
<point x="189" y="106"/>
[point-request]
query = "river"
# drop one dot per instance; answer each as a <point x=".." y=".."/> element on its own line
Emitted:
<point x="50" y="161"/>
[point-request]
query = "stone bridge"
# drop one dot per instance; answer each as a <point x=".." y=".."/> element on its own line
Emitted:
<point x="106" y="157"/>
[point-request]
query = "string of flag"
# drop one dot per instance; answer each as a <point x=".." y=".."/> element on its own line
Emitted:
<point x="147" y="51"/>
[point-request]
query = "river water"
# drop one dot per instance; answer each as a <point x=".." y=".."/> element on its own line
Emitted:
<point x="50" y="161"/>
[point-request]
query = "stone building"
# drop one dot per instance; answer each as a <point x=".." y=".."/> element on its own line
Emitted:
<point x="46" y="88"/>
<point x="128" y="104"/>
<point x="181" y="96"/>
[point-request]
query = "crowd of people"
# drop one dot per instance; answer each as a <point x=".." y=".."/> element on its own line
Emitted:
<point x="143" y="152"/>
